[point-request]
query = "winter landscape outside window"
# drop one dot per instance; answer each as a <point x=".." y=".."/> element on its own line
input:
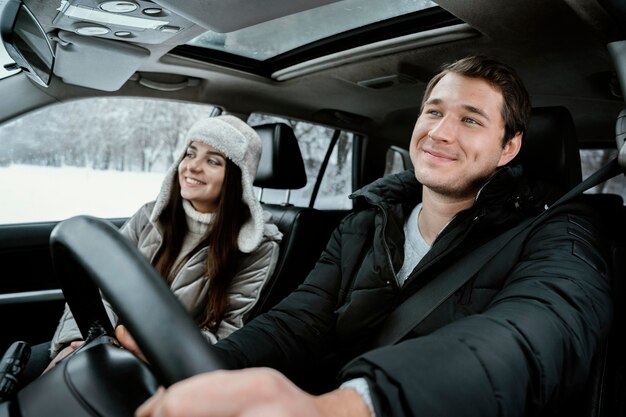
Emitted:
<point x="314" y="140"/>
<point x="107" y="156"/>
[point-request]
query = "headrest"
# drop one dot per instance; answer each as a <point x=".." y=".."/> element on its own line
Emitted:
<point x="281" y="165"/>
<point x="550" y="148"/>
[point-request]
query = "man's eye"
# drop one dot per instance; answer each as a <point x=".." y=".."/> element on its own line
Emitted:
<point x="433" y="112"/>
<point x="188" y="154"/>
<point x="470" y="121"/>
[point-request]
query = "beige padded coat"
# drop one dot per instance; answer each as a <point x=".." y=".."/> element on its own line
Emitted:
<point x="191" y="283"/>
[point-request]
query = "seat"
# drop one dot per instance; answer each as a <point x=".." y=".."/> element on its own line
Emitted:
<point x="305" y="230"/>
<point x="604" y="394"/>
<point x="550" y="152"/>
<point x="281" y="166"/>
<point x="550" y="149"/>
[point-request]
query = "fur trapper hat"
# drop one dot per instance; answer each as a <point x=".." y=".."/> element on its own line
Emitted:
<point x="242" y="145"/>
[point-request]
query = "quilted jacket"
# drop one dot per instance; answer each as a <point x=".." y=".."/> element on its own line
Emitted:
<point x="517" y="338"/>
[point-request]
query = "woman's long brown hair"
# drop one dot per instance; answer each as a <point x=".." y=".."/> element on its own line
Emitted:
<point x="223" y="251"/>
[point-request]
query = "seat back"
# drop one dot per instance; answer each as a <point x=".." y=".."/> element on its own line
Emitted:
<point x="281" y="166"/>
<point x="550" y="153"/>
<point x="550" y="149"/>
<point x="604" y="394"/>
<point x="305" y="230"/>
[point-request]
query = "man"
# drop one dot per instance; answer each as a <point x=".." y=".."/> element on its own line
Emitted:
<point x="515" y="340"/>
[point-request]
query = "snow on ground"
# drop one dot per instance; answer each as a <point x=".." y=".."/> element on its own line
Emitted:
<point x="37" y="193"/>
<point x="30" y="193"/>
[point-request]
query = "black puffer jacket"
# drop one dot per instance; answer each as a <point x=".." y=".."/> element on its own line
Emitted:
<point x="516" y="338"/>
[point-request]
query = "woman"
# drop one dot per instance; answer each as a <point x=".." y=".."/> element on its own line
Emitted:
<point x="205" y="234"/>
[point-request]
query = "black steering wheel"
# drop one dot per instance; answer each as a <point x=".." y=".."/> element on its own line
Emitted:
<point x="90" y="255"/>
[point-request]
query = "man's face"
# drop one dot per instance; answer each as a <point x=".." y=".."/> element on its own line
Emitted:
<point x="457" y="139"/>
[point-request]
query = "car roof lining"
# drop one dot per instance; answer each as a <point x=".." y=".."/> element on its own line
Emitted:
<point x="226" y="16"/>
<point x="549" y="60"/>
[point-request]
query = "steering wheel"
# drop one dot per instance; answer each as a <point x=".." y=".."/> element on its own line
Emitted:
<point x="90" y="255"/>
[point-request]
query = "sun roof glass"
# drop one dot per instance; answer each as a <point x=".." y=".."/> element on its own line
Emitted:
<point x="272" y="38"/>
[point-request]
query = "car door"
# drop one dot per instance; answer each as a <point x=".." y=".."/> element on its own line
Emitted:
<point x="100" y="157"/>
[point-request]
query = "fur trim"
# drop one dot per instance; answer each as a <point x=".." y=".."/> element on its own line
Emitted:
<point x="239" y="143"/>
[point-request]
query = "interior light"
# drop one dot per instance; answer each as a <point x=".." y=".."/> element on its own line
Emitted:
<point x="169" y="29"/>
<point x="152" y="11"/>
<point x="118" y="6"/>
<point x="92" y="30"/>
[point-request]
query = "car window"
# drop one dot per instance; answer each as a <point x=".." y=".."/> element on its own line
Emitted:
<point x="397" y="160"/>
<point x="594" y="159"/>
<point x="314" y="141"/>
<point x="102" y="156"/>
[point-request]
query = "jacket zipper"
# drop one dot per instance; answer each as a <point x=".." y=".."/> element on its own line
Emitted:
<point x="387" y="250"/>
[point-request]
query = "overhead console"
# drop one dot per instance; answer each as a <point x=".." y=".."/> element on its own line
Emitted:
<point x="89" y="43"/>
<point x="138" y="21"/>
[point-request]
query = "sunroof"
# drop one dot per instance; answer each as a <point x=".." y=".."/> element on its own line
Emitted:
<point x="275" y="37"/>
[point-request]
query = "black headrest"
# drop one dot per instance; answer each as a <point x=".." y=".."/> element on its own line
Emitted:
<point x="281" y="165"/>
<point x="550" y="148"/>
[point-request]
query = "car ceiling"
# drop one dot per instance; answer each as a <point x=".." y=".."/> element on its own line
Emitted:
<point x="557" y="46"/>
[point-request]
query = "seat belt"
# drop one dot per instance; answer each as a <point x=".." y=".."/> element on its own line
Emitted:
<point x="419" y="305"/>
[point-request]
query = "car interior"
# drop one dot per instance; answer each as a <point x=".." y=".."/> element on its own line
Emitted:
<point x="355" y="67"/>
<point x="305" y="229"/>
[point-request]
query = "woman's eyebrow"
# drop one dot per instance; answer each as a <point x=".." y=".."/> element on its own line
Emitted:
<point x="215" y="153"/>
<point x="208" y="153"/>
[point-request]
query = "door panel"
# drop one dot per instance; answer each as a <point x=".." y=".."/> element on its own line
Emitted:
<point x="31" y="301"/>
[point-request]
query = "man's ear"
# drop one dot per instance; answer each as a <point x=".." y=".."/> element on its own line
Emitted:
<point x="511" y="149"/>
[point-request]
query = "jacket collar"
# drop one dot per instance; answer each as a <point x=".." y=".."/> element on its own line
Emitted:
<point x="506" y="187"/>
<point x="391" y="189"/>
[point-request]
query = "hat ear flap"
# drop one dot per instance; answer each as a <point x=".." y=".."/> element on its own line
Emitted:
<point x="251" y="231"/>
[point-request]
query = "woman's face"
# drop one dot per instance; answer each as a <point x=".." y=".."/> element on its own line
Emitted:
<point x="201" y="176"/>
